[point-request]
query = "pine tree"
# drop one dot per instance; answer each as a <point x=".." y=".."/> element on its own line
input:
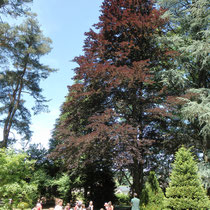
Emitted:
<point x="25" y="47"/>
<point x="152" y="195"/>
<point x="185" y="190"/>
<point x="13" y="8"/>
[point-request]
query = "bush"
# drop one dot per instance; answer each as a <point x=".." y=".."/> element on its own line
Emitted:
<point x="63" y="185"/>
<point x="15" y="173"/>
<point x="123" y="200"/>
<point x="152" y="195"/>
<point x="23" y="205"/>
<point x="185" y="190"/>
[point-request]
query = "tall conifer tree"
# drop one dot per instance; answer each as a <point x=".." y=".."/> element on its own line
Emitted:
<point x="27" y="44"/>
<point x="189" y="34"/>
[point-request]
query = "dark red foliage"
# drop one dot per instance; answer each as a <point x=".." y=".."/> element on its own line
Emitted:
<point x="116" y="103"/>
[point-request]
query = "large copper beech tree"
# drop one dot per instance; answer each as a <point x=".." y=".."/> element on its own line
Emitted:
<point x="115" y="104"/>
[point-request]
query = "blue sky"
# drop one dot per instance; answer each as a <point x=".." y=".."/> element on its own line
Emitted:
<point x="65" y="22"/>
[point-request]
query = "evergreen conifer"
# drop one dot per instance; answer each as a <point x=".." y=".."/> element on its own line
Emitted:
<point x="185" y="190"/>
<point x="152" y="196"/>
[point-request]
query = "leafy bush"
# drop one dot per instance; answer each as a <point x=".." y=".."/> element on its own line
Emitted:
<point x="23" y="205"/>
<point x="63" y="185"/>
<point x="43" y="182"/>
<point x="122" y="199"/>
<point x="150" y="207"/>
<point x="15" y="173"/>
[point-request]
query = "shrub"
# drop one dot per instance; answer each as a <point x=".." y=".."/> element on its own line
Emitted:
<point x="15" y="173"/>
<point x="122" y="199"/>
<point x="185" y="190"/>
<point x="152" y="195"/>
<point x="23" y="205"/>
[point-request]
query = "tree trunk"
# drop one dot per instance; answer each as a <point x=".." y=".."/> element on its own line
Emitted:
<point x="15" y="100"/>
<point x="4" y="143"/>
<point x="6" y="130"/>
<point x="206" y="156"/>
<point x="137" y="174"/>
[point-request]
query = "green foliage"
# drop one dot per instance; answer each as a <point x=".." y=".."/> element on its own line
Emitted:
<point x="152" y="195"/>
<point x="45" y="171"/>
<point x="185" y="190"/>
<point x="23" y="205"/>
<point x="63" y="184"/>
<point x="189" y="34"/>
<point x="42" y="180"/>
<point x="14" y="8"/>
<point x="122" y="177"/>
<point x="188" y="77"/>
<point x="25" y="44"/>
<point x="204" y="171"/>
<point x="198" y="109"/>
<point x="39" y="153"/>
<point x="122" y="199"/>
<point x="15" y="173"/>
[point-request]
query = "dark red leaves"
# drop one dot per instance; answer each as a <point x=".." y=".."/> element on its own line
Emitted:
<point x="116" y="100"/>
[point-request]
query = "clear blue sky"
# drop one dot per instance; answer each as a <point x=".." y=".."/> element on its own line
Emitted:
<point x="65" y="22"/>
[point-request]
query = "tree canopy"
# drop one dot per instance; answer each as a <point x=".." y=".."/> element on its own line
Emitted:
<point x="189" y="36"/>
<point x="14" y="8"/>
<point x="117" y="97"/>
<point x="141" y="89"/>
<point x="21" y="75"/>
